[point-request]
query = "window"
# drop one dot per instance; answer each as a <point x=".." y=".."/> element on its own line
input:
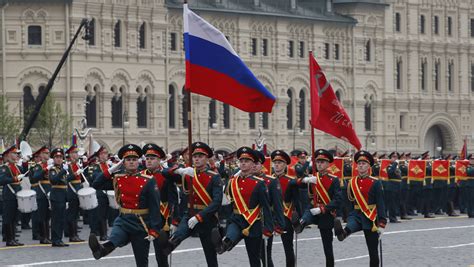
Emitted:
<point x="368" y="117"/>
<point x="436" y="74"/>
<point x="336" y="51"/>
<point x="398" y="22"/>
<point x="91" y="107"/>
<point x="338" y="95"/>
<point x="472" y="27"/>
<point x="291" y="49"/>
<point x="173" y="42"/>
<point x="254" y="46"/>
<point x="171" y="107"/>
<point x="117" y="33"/>
<point x="367" y="51"/>
<point x="142" y="113"/>
<point x="91" y="32"/>
<point x="302" y="110"/>
<point x="402" y="122"/>
<point x="265" y="47"/>
<point x="424" y="71"/>
<point x="301" y="49"/>
<point x="422" y="24"/>
<point x="450" y="26"/>
<point x="34" y="35"/>
<point x="289" y="111"/>
<point x="142" y="35"/>
<point x="252" y="123"/>
<point x="472" y="77"/>
<point x="212" y="112"/>
<point x="326" y="50"/>
<point x="28" y="102"/>
<point x="117" y="110"/>
<point x="226" y="116"/>
<point x="265" y="120"/>
<point x="184" y="105"/>
<point x="450" y="76"/>
<point x="436" y="25"/>
<point x="399" y="74"/>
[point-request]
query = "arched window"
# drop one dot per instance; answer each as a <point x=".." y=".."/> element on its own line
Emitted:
<point x="252" y="122"/>
<point x="338" y="96"/>
<point x="212" y="112"/>
<point x="28" y="102"/>
<point x="437" y="71"/>
<point x="424" y="71"/>
<point x="367" y="50"/>
<point x="171" y="107"/>
<point x="142" y="35"/>
<point x="118" y="33"/>
<point x="117" y="108"/>
<point x="185" y="108"/>
<point x="34" y="35"/>
<point x="450" y="75"/>
<point x="142" y="107"/>
<point x="226" y="116"/>
<point x="398" y="26"/>
<point x="91" y="106"/>
<point x="91" y="32"/>
<point x="399" y="73"/>
<point x="368" y="116"/>
<point x="289" y="111"/>
<point x="265" y="120"/>
<point x="302" y="108"/>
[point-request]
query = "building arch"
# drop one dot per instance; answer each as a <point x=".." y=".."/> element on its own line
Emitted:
<point x="436" y="126"/>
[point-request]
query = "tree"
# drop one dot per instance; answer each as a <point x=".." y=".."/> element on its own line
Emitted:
<point x="51" y="127"/>
<point x="9" y="124"/>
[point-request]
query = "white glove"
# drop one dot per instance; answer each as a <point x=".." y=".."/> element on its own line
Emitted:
<point x="65" y="167"/>
<point x="309" y="180"/>
<point x="192" y="222"/>
<point x="220" y="157"/>
<point x="164" y="164"/>
<point x="225" y="200"/>
<point x="109" y="163"/>
<point x="19" y="162"/>
<point x="115" y="167"/>
<point x="149" y="238"/>
<point x="50" y="161"/>
<point x="189" y="171"/>
<point x="380" y="230"/>
<point x="79" y="172"/>
<point x="173" y="229"/>
<point x="20" y="177"/>
<point x="49" y="166"/>
<point x="26" y="158"/>
<point x="311" y="164"/>
<point x="315" y="211"/>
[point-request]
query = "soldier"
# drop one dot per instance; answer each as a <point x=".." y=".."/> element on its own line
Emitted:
<point x="168" y="195"/>
<point x="10" y="177"/>
<point x="366" y="196"/>
<point x="470" y="187"/>
<point x="58" y="176"/>
<point x="203" y="196"/>
<point x="303" y="169"/>
<point x="138" y="196"/>
<point x="415" y="193"/>
<point x="276" y="204"/>
<point x="440" y="191"/>
<point x="325" y="193"/>
<point x="252" y="217"/>
<point x="74" y="185"/>
<point x="403" y="166"/>
<point x="427" y="187"/>
<point x="40" y="183"/>
<point x="392" y="187"/>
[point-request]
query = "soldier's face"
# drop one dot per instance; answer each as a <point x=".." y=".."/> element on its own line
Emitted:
<point x="199" y="160"/>
<point x="104" y="155"/>
<point x="44" y="155"/>
<point x="130" y="164"/>
<point x="74" y="155"/>
<point x="393" y="158"/>
<point x="58" y="160"/>
<point x="321" y="165"/>
<point x="302" y="159"/>
<point x="363" y="167"/>
<point x="152" y="162"/>
<point x="279" y="166"/>
<point x="246" y="165"/>
<point x="257" y="168"/>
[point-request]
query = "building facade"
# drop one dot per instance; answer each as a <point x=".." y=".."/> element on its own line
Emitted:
<point x="403" y="70"/>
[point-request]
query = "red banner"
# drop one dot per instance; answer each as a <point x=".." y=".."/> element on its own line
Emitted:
<point x="416" y="170"/>
<point x="461" y="169"/>
<point x="383" y="173"/>
<point x="336" y="168"/>
<point x="440" y="169"/>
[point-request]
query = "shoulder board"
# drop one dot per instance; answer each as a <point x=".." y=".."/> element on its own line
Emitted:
<point x="211" y="172"/>
<point x="267" y="176"/>
<point x="119" y="175"/>
<point x="146" y="176"/>
<point x="332" y="176"/>
<point x="258" y="178"/>
<point x="373" y="178"/>
<point x="291" y="177"/>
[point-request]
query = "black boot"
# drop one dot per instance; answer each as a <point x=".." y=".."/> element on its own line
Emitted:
<point x="60" y="244"/>
<point x="73" y="233"/>
<point x="103" y="231"/>
<point x="11" y="239"/>
<point x="339" y="231"/>
<point x="44" y="233"/>
<point x="100" y="250"/>
<point x="225" y="245"/>
<point x="170" y="246"/>
<point x="298" y="226"/>
<point x="451" y="211"/>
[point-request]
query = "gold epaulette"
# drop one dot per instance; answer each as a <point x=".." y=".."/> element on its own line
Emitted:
<point x="258" y="178"/>
<point x="373" y="178"/>
<point x="146" y="176"/>
<point x="119" y="175"/>
<point x="212" y="172"/>
<point x="332" y="176"/>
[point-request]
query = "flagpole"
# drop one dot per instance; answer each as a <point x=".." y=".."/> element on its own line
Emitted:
<point x="190" y="128"/>
<point x="312" y="128"/>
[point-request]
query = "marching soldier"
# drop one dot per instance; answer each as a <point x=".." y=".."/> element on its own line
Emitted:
<point x="403" y="166"/>
<point x="368" y="210"/>
<point x="74" y="184"/>
<point x="427" y="187"/>
<point x="168" y="194"/>
<point x="252" y="217"/>
<point x="470" y="187"/>
<point x="40" y="183"/>
<point x="203" y="196"/>
<point x="58" y="176"/>
<point x="440" y="191"/>
<point x="415" y="193"/>
<point x="276" y="204"/>
<point x="10" y="178"/>
<point x="138" y="196"/>
<point x="324" y="190"/>
<point x="303" y="169"/>
<point x="392" y="187"/>
<point x="452" y="188"/>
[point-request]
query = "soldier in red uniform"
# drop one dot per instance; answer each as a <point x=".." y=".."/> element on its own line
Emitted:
<point x="138" y="196"/>
<point x="203" y="196"/>
<point x="325" y="197"/>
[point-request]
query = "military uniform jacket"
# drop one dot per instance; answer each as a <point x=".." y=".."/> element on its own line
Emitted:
<point x="9" y="176"/>
<point x="428" y="183"/>
<point x="98" y="170"/>
<point x="470" y="176"/>
<point x="394" y="178"/>
<point x="302" y="170"/>
<point x="331" y="185"/>
<point x="275" y="199"/>
<point x="168" y="192"/>
<point x="372" y="191"/>
<point x="74" y="181"/>
<point x="254" y="193"/>
<point x="58" y="178"/>
<point x="39" y="175"/>
<point x="290" y="196"/>
<point x="133" y="192"/>
<point x="404" y="173"/>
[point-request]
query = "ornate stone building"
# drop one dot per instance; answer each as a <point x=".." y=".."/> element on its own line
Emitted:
<point x="404" y="70"/>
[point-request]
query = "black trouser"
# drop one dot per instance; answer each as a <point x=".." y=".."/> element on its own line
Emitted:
<point x="57" y="220"/>
<point x="427" y="199"/>
<point x="372" y="241"/>
<point x="470" y="201"/>
<point x="391" y="202"/>
<point x="403" y="199"/>
<point x="463" y="198"/>
<point x="269" y="243"/>
<point x="326" y="237"/>
<point x="253" y="245"/>
<point x="287" y="240"/>
<point x="415" y="196"/>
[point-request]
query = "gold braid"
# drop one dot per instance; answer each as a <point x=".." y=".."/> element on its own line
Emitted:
<point x="349" y="191"/>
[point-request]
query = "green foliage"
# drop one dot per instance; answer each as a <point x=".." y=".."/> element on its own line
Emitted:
<point x="10" y="125"/>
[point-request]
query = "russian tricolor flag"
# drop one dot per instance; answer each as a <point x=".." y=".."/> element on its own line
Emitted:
<point x="215" y="70"/>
